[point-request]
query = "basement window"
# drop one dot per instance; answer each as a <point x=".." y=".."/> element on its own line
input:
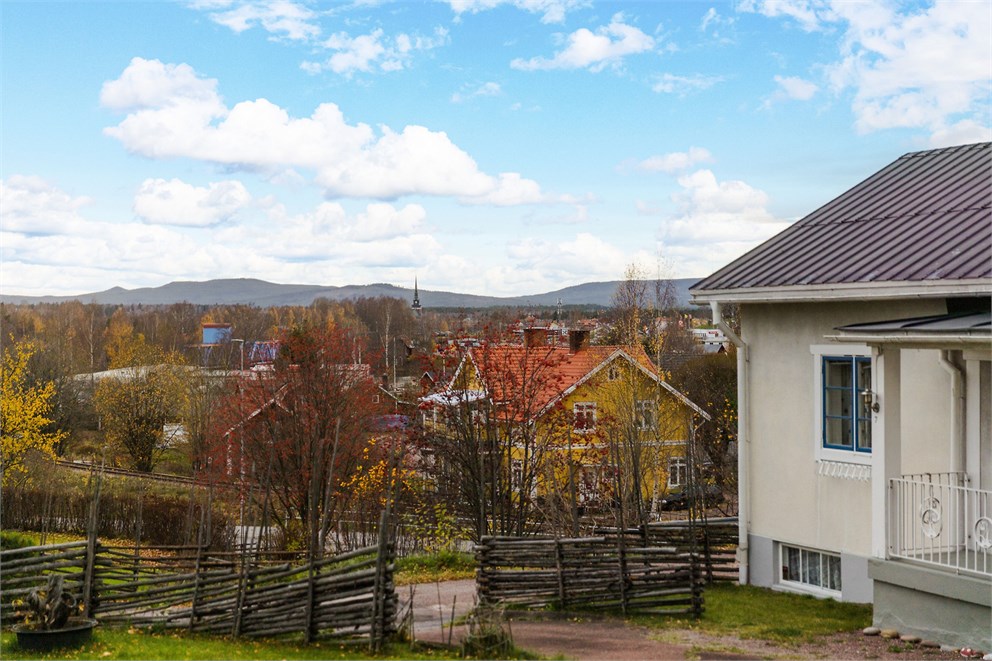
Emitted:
<point x="805" y="569"/>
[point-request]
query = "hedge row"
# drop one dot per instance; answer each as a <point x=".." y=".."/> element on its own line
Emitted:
<point x="164" y="520"/>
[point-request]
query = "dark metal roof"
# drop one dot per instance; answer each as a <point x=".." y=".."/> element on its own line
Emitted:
<point x="925" y="217"/>
<point x="968" y="322"/>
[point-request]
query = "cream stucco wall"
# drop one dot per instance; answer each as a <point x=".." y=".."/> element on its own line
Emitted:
<point x="790" y="501"/>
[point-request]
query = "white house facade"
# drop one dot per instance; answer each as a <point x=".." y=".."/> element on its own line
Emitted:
<point x="865" y="395"/>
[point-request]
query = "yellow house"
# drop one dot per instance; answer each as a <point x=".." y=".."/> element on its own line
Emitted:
<point x="592" y="424"/>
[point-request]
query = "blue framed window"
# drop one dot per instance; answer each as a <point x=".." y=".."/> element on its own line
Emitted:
<point x="846" y="403"/>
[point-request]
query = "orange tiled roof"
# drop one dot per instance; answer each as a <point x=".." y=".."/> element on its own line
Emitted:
<point x="540" y="375"/>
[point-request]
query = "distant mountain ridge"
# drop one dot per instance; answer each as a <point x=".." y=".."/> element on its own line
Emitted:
<point x="265" y="294"/>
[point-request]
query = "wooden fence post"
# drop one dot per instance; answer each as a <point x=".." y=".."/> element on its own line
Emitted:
<point x="311" y="596"/>
<point x="379" y="588"/>
<point x="196" y="571"/>
<point x="622" y="559"/>
<point x="560" y="565"/>
<point x="482" y="572"/>
<point x="91" y="546"/>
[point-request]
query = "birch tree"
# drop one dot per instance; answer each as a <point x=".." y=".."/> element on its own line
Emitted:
<point x="25" y="411"/>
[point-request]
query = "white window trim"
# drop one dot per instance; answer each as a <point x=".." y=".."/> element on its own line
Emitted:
<point x="652" y="407"/>
<point x="819" y="351"/>
<point x="592" y="408"/>
<point x="799" y="587"/>
<point x="674" y="462"/>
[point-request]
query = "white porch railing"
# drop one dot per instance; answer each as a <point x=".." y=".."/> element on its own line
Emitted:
<point x="934" y="518"/>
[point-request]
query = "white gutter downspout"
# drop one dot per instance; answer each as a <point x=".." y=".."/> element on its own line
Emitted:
<point x="957" y="409"/>
<point x="743" y="443"/>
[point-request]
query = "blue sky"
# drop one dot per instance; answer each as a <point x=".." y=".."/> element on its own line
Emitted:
<point x="486" y="146"/>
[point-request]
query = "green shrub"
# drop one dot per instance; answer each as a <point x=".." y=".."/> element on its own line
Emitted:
<point x="14" y="539"/>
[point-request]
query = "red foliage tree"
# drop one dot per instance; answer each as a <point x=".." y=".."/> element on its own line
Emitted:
<point x="298" y="429"/>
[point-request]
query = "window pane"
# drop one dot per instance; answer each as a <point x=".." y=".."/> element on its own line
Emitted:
<point x="864" y="405"/>
<point x="833" y="563"/>
<point x="837" y="401"/>
<point x="837" y="431"/>
<point x="837" y="372"/>
<point x="864" y="434"/>
<point x="811" y="567"/>
<point x="864" y="374"/>
<point x="790" y="572"/>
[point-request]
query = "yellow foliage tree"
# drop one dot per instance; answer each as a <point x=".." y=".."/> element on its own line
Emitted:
<point x="148" y="392"/>
<point x="24" y="410"/>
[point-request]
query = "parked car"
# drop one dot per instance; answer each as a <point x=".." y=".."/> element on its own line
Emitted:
<point x="708" y="494"/>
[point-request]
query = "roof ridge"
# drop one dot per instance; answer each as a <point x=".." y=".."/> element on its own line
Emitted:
<point x="927" y="152"/>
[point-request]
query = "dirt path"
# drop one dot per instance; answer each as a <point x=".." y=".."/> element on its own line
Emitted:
<point x="612" y="639"/>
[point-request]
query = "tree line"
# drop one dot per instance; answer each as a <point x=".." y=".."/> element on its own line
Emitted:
<point x="302" y="439"/>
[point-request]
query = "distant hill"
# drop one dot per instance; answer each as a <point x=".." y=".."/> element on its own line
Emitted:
<point x="265" y="294"/>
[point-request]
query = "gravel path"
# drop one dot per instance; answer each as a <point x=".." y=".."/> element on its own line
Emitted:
<point x="612" y="639"/>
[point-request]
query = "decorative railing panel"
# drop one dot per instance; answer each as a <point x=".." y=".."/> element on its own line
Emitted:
<point x="936" y="519"/>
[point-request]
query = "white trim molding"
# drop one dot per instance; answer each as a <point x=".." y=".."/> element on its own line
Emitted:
<point x="846" y="291"/>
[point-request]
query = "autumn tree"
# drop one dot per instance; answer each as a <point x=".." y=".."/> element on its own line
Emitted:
<point x="300" y="430"/>
<point x="712" y="381"/>
<point x="204" y="390"/>
<point x="135" y="403"/>
<point x="628" y="304"/>
<point x="482" y="440"/>
<point x="24" y="413"/>
<point x="387" y="320"/>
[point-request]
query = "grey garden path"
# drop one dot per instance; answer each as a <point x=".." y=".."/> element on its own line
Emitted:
<point x="606" y="639"/>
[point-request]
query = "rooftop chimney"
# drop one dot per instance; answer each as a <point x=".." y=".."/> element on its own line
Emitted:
<point x="535" y="337"/>
<point x="577" y="340"/>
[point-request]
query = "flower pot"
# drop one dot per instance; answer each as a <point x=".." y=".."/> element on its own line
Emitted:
<point x="77" y="630"/>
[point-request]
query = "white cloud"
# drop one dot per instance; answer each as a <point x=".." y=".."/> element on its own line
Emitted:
<point x="792" y="87"/>
<point x="151" y="84"/>
<point x="175" y="202"/>
<point x="675" y="161"/>
<point x="927" y="70"/>
<point x="809" y="14"/>
<point x="552" y="11"/>
<point x="717" y="222"/>
<point x="383" y="221"/>
<point x="539" y="264"/>
<point x="75" y="254"/>
<point x="512" y="191"/>
<point x="594" y="51"/>
<point x="31" y="205"/>
<point x="709" y="17"/>
<point x="486" y="89"/>
<point x="188" y="120"/>
<point x="920" y="68"/>
<point x="372" y="51"/>
<point x="47" y="246"/>
<point x="669" y="83"/>
<point x="713" y="20"/>
<point x="965" y="132"/>
<point x="380" y="236"/>
<point x="283" y="18"/>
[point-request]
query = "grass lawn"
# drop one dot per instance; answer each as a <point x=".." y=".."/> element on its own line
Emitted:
<point x="121" y="643"/>
<point x="427" y="568"/>
<point x="750" y="612"/>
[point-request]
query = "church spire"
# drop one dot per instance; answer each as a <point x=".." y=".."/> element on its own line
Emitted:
<point x="416" y="307"/>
